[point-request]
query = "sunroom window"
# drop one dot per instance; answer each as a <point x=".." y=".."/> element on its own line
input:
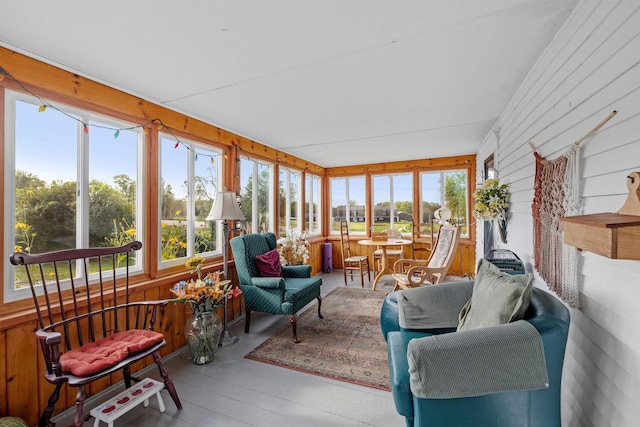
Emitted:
<point x="190" y="176"/>
<point x="313" y="204"/>
<point x="72" y="178"/>
<point x="348" y="197"/>
<point x="290" y="202"/>
<point x="256" y="189"/>
<point x="445" y="189"/>
<point x="392" y="197"/>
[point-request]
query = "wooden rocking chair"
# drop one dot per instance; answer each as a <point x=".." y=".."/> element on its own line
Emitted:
<point x="411" y="273"/>
<point x="88" y="327"/>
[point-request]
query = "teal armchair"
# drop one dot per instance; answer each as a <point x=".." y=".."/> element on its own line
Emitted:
<point x="277" y="295"/>
<point x="525" y="407"/>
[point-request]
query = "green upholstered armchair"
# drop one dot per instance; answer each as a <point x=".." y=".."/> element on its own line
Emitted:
<point x="276" y="295"/>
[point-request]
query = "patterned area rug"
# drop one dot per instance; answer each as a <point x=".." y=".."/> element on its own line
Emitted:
<point x="346" y="345"/>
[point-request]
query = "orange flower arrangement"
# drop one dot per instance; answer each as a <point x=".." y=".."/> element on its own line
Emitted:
<point x="203" y="294"/>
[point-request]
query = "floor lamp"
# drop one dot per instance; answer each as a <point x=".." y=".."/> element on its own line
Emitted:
<point x="225" y="207"/>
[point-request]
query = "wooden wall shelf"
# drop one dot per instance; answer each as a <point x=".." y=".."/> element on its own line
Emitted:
<point x="608" y="234"/>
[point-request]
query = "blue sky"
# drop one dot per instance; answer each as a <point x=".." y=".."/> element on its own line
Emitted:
<point x="47" y="148"/>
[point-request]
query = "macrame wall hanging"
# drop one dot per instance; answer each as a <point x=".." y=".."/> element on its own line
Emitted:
<point x="555" y="195"/>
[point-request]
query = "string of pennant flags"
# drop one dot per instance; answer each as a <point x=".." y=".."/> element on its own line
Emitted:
<point x="46" y="104"/>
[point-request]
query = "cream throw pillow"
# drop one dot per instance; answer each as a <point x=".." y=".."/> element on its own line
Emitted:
<point x="497" y="298"/>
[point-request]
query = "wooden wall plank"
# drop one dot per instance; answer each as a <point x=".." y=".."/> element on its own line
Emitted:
<point x="3" y="373"/>
<point x="23" y="377"/>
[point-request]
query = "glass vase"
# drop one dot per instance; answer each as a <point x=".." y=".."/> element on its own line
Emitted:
<point x="202" y="333"/>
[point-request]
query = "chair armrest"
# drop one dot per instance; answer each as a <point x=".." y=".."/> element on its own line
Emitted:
<point x="51" y="350"/>
<point x="397" y="343"/>
<point x="496" y="359"/>
<point x="297" y="271"/>
<point x="50" y="338"/>
<point x="433" y="307"/>
<point x="268" y="282"/>
<point x="404" y="264"/>
<point x="159" y="303"/>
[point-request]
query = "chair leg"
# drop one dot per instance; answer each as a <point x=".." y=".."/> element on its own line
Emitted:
<point x="81" y="396"/>
<point x="51" y="405"/>
<point x="247" y="321"/>
<point x="293" y="318"/>
<point x="344" y="272"/>
<point x="319" y="305"/>
<point x="126" y="374"/>
<point x="168" y="384"/>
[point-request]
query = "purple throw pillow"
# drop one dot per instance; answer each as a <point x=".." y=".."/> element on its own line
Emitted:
<point x="269" y="264"/>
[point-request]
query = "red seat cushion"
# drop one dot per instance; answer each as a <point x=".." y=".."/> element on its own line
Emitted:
<point x="106" y="352"/>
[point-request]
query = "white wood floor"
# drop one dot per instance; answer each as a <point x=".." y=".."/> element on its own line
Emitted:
<point x="237" y="392"/>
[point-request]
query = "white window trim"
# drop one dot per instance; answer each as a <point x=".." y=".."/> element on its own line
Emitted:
<point x="392" y="206"/>
<point x="300" y="203"/>
<point x="347" y="210"/>
<point x="191" y="217"/>
<point x="254" y="195"/>
<point x="82" y="193"/>
<point x="442" y="194"/>
<point x="311" y="197"/>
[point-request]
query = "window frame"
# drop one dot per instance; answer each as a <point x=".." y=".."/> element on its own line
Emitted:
<point x="348" y="214"/>
<point x="393" y="211"/>
<point x="443" y="173"/>
<point x="311" y="196"/>
<point x="194" y="149"/>
<point x="271" y="204"/>
<point x="82" y="175"/>
<point x="289" y="177"/>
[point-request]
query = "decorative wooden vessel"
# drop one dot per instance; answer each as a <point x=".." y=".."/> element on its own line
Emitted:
<point x="611" y="235"/>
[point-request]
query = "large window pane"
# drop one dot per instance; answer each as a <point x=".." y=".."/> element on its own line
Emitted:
<point x="312" y="206"/>
<point x="255" y="191"/>
<point x="289" y="202"/>
<point x="348" y="203"/>
<point x="448" y="189"/>
<point x="393" y="202"/>
<point x="190" y="176"/>
<point x="46" y="174"/>
<point x="173" y="200"/>
<point x="112" y="186"/>
<point x="207" y="176"/>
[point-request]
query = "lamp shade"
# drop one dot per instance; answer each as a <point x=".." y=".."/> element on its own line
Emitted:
<point x="225" y="206"/>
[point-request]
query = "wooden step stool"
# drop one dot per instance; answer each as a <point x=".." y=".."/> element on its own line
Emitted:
<point x="127" y="400"/>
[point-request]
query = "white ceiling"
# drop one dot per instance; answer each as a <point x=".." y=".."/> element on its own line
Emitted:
<point x="333" y="82"/>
